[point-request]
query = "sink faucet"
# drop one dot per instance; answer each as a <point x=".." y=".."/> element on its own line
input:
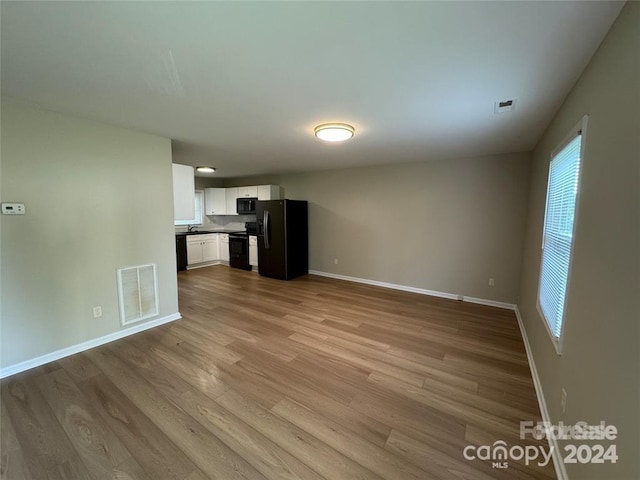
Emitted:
<point x="191" y="228"/>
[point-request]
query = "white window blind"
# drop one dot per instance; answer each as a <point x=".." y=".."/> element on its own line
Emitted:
<point x="557" y="239"/>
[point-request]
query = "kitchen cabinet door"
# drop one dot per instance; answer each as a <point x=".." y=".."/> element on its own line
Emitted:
<point x="210" y="247"/>
<point x="215" y="201"/>
<point x="194" y="249"/>
<point x="231" y="195"/>
<point x="268" y="192"/>
<point x="183" y="192"/>
<point x="224" y="247"/>
<point x="253" y="251"/>
<point x="248" y="192"/>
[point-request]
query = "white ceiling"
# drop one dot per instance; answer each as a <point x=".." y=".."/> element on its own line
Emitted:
<point x="240" y="85"/>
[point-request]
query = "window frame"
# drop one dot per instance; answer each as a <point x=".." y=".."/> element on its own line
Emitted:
<point x="194" y="221"/>
<point x="579" y="129"/>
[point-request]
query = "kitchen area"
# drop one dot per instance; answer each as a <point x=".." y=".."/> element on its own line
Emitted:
<point x="248" y="227"/>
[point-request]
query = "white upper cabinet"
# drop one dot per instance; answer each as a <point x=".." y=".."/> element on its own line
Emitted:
<point x="223" y="201"/>
<point x="215" y="201"/>
<point x="248" y="192"/>
<point x="232" y="195"/>
<point x="268" y="192"/>
<point x="183" y="192"/>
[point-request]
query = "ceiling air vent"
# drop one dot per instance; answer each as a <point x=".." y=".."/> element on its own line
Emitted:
<point x="504" y="106"/>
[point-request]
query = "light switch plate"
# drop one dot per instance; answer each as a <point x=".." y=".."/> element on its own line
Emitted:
<point x="13" y="209"/>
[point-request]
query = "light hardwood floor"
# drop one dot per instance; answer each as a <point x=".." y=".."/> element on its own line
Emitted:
<point x="308" y="379"/>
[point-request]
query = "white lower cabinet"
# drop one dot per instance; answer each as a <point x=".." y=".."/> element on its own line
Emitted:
<point x="210" y="247"/>
<point x="224" y="247"/>
<point x="194" y="249"/>
<point x="253" y="250"/>
<point x="203" y="248"/>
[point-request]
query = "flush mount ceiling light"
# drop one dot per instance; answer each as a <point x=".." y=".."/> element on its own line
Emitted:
<point x="205" y="169"/>
<point x="334" y="132"/>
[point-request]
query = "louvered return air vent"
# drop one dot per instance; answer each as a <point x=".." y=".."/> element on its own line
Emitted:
<point x="138" y="293"/>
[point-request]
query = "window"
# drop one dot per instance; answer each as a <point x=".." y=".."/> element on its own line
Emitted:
<point x="559" y="227"/>
<point x="197" y="220"/>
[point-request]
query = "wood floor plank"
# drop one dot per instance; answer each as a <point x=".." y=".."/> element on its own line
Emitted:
<point x="209" y="357"/>
<point x="44" y="444"/>
<point x="205" y="381"/>
<point x="358" y="449"/>
<point x="446" y="405"/>
<point x="478" y="436"/>
<point x="323" y="459"/>
<point x="268" y="458"/>
<point x="151" y="448"/>
<point x="130" y="469"/>
<point x="205" y="450"/>
<point x="359" y="359"/>
<point x="262" y="454"/>
<point x="432" y="460"/>
<point x="437" y="369"/>
<point x="299" y="325"/>
<point x="98" y="447"/>
<point x="13" y="465"/>
<point x="309" y="379"/>
<point x="285" y="378"/>
<point x="79" y="367"/>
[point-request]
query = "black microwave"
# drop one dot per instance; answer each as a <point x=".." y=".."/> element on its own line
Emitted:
<point x="246" y="206"/>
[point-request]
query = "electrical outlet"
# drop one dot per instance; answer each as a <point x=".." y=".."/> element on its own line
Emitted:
<point x="335" y="261"/>
<point x="97" y="312"/>
<point x="563" y="400"/>
<point x="492" y="282"/>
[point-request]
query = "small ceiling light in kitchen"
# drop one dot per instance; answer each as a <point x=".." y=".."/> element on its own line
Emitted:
<point x="334" y="132"/>
<point x="205" y="169"/>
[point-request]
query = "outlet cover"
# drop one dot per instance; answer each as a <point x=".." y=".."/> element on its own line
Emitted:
<point x="97" y="312"/>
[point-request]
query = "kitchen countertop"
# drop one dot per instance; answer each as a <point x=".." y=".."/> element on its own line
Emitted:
<point x="202" y="232"/>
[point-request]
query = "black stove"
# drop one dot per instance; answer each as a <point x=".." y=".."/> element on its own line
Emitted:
<point x="251" y="227"/>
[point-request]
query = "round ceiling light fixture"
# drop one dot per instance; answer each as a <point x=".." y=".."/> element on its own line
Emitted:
<point x="205" y="169"/>
<point x="334" y="132"/>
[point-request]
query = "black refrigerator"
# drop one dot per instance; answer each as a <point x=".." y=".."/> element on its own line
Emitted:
<point x="283" y="239"/>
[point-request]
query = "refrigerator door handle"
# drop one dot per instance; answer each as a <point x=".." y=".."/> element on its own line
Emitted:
<point x="266" y="228"/>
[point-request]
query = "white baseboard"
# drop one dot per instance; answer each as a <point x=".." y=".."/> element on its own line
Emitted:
<point x="206" y="264"/>
<point x="558" y="461"/>
<point x="421" y="291"/>
<point x="81" y="347"/>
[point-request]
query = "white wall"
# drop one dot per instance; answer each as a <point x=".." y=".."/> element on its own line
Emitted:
<point x="97" y="198"/>
<point x="600" y="363"/>
<point x="446" y="226"/>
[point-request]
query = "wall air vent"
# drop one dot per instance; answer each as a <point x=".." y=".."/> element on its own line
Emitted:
<point x="504" y="106"/>
<point x="137" y="293"/>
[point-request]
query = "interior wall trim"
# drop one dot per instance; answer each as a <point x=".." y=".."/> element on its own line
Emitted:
<point x="421" y="291"/>
<point x="558" y="460"/>
<point x="81" y="347"/>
